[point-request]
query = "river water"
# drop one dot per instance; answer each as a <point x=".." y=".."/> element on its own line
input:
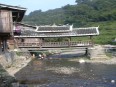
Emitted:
<point x="65" y="73"/>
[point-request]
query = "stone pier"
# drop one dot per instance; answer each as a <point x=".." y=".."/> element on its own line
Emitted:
<point x="97" y="52"/>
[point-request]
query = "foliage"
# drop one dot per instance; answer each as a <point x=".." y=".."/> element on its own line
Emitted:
<point x="90" y="11"/>
<point x="107" y="32"/>
<point x="45" y="18"/>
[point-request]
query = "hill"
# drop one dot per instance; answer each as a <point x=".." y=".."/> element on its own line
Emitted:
<point x="85" y="13"/>
<point x="45" y="18"/>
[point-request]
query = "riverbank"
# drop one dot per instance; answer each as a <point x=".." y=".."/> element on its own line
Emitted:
<point x="106" y="60"/>
<point x="98" y="55"/>
<point x="101" y="61"/>
<point x="18" y="65"/>
<point x="14" y="64"/>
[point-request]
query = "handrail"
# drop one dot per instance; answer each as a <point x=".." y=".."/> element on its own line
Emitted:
<point x="55" y="44"/>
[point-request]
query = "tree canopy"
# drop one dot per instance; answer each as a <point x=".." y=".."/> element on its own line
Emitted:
<point x="80" y="14"/>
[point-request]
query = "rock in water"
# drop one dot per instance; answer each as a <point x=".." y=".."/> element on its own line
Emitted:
<point x="81" y="61"/>
<point x="112" y="81"/>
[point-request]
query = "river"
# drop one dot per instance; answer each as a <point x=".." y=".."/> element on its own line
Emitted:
<point x="65" y="73"/>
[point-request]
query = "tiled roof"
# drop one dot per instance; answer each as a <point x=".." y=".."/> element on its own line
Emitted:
<point x="86" y="31"/>
<point x="53" y="28"/>
<point x="75" y="32"/>
<point x="11" y="7"/>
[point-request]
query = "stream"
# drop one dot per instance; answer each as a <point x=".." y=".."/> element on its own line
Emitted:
<point x="65" y="73"/>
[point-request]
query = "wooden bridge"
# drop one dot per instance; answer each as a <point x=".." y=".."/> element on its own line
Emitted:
<point x="34" y="36"/>
<point x="55" y="44"/>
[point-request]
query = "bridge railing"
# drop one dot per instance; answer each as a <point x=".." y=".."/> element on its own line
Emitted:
<point x="55" y="44"/>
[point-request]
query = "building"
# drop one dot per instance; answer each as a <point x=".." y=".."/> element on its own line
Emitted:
<point x="8" y="16"/>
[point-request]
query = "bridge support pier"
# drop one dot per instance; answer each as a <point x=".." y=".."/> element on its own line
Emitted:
<point x="5" y="47"/>
<point x="69" y="40"/>
<point x="86" y="51"/>
<point x="3" y="44"/>
<point x="97" y="52"/>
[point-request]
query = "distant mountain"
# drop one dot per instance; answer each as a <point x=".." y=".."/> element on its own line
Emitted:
<point x="45" y="18"/>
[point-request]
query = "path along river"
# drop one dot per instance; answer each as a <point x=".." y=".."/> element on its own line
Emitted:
<point x="65" y="73"/>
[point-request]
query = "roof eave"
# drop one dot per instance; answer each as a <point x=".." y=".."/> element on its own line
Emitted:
<point x="13" y="7"/>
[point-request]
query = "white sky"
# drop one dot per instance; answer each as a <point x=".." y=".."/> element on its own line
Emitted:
<point x="44" y="5"/>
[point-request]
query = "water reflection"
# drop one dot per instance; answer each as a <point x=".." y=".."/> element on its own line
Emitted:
<point x="64" y="73"/>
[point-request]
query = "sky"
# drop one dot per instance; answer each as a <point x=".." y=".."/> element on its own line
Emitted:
<point x="44" y="5"/>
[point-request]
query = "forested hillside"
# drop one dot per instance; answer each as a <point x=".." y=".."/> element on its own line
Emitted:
<point x="100" y="13"/>
<point x="43" y="18"/>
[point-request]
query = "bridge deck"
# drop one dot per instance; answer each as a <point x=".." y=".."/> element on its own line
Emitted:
<point x="54" y="44"/>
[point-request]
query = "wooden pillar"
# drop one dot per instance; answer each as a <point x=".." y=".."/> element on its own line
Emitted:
<point x="11" y="43"/>
<point x="91" y="39"/>
<point x="42" y="39"/>
<point x="4" y="45"/>
<point x="69" y="40"/>
<point x="0" y="45"/>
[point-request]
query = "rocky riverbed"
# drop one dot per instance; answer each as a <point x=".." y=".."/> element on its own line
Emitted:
<point x="73" y="55"/>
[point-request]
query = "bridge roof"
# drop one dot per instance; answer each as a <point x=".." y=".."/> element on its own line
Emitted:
<point x="46" y="28"/>
<point x="63" y="28"/>
<point x="86" y="31"/>
<point x="89" y="31"/>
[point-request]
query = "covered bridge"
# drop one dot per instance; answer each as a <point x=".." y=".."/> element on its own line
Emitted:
<point x="34" y="36"/>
